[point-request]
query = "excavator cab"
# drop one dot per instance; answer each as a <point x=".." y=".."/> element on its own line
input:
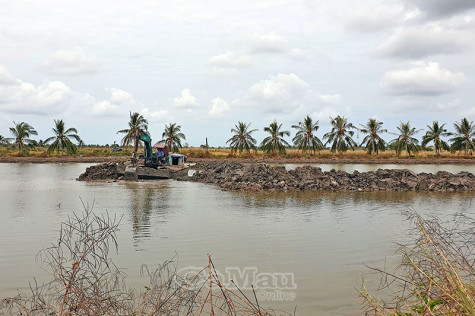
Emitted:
<point x="162" y="154"/>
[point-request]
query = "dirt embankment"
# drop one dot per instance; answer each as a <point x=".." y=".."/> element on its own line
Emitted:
<point x="260" y="176"/>
<point x="103" y="171"/>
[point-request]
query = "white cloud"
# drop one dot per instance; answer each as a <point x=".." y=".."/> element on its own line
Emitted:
<point x="5" y="77"/>
<point x="219" y="108"/>
<point x="20" y="97"/>
<point x="329" y="98"/>
<point x="432" y="39"/>
<point x="421" y="79"/>
<point x="286" y="97"/>
<point x="52" y="92"/>
<point x="154" y="116"/>
<point x="279" y="88"/>
<point x="186" y="100"/>
<point x="72" y="62"/>
<point x="228" y="63"/>
<point x="119" y="103"/>
<point x="324" y="114"/>
<point x="229" y="59"/>
<point x="268" y="43"/>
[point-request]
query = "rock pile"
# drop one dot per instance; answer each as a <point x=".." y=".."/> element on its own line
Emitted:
<point x="103" y="171"/>
<point x="258" y="177"/>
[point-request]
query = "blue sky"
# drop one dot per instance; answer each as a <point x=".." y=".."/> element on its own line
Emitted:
<point x="207" y="65"/>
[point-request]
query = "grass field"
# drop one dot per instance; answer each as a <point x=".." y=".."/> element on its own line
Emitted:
<point x="226" y="153"/>
<point x="359" y="154"/>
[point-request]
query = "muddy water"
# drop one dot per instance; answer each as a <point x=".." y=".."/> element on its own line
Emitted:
<point x="322" y="240"/>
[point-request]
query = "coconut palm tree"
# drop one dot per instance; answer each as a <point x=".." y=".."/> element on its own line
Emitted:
<point x="62" y="139"/>
<point x="138" y="125"/>
<point x="465" y="137"/>
<point x="3" y="141"/>
<point x="341" y="135"/>
<point x="372" y="141"/>
<point x="242" y="139"/>
<point x="22" y="132"/>
<point x="275" y="142"/>
<point x="435" y="134"/>
<point x="172" y="136"/>
<point x="304" y="138"/>
<point x="405" y="140"/>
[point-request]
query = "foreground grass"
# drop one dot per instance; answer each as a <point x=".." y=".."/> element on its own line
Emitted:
<point x="437" y="272"/>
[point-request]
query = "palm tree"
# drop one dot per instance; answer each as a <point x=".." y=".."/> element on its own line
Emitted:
<point x="275" y="142"/>
<point x="3" y="141"/>
<point x="242" y="139"/>
<point x="172" y="136"/>
<point x="22" y="132"/>
<point x="373" y="142"/>
<point x="62" y="139"/>
<point x="465" y="137"/>
<point x="341" y="135"/>
<point x="304" y="138"/>
<point x="435" y="134"/>
<point x="138" y="125"/>
<point x="405" y="140"/>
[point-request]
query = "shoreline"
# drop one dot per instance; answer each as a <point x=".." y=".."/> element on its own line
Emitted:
<point x="269" y="160"/>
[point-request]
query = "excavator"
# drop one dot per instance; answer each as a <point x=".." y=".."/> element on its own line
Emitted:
<point x="162" y="157"/>
<point x="161" y="165"/>
<point x="149" y="160"/>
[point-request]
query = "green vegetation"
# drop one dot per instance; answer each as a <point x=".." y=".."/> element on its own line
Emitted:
<point x="405" y="140"/>
<point x="275" y="142"/>
<point x="436" y="275"/>
<point x="465" y="137"/>
<point x="137" y="125"/>
<point x="3" y="141"/>
<point x="242" y="139"/>
<point x="435" y="134"/>
<point x="22" y="133"/>
<point x="305" y="142"/>
<point x="172" y="136"/>
<point x="304" y="138"/>
<point x="341" y="135"/>
<point x="61" y="139"/>
<point x="373" y="142"/>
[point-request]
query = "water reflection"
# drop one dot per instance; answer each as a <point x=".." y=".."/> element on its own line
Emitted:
<point x="148" y="201"/>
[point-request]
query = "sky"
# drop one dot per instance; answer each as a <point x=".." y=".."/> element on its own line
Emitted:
<point x="206" y="65"/>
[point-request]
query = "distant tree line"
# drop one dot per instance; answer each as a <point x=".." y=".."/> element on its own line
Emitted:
<point x="338" y="139"/>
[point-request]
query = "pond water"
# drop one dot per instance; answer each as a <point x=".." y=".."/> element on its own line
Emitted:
<point x="323" y="240"/>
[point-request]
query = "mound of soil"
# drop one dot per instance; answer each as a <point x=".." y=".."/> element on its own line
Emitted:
<point x="103" y="171"/>
<point x="260" y="176"/>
